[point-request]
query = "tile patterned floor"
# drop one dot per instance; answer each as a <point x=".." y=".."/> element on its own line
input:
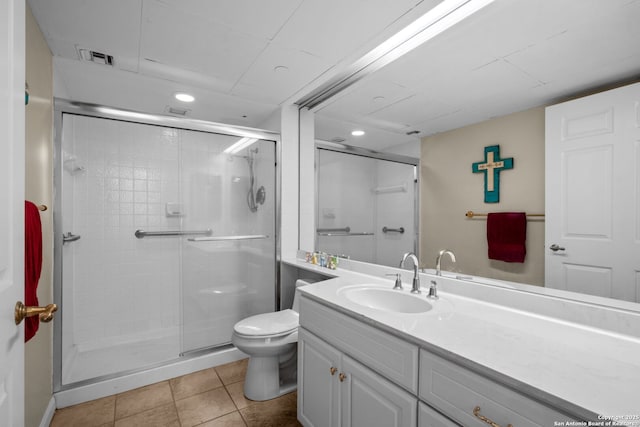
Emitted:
<point x="209" y="398"/>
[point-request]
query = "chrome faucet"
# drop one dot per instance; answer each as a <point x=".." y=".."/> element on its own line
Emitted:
<point x="439" y="258"/>
<point x="415" y="288"/>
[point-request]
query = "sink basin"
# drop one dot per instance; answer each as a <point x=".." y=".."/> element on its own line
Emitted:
<point x="387" y="300"/>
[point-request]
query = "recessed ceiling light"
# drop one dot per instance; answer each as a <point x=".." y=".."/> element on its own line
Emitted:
<point x="280" y="68"/>
<point x="357" y="133"/>
<point x="378" y="98"/>
<point x="184" y="97"/>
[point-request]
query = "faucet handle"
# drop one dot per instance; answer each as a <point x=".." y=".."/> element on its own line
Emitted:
<point x="433" y="290"/>
<point x="398" y="284"/>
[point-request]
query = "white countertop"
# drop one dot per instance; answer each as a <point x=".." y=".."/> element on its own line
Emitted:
<point x="581" y="369"/>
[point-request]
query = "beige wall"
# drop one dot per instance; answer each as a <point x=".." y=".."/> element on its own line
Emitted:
<point x="449" y="189"/>
<point x="39" y="190"/>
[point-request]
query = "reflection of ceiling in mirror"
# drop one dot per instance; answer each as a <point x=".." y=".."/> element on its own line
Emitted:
<point x="508" y="57"/>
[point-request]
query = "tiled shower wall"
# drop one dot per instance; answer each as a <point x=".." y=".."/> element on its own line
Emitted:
<point x="119" y="175"/>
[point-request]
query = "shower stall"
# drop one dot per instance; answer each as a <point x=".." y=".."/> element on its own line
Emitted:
<point x="165" y="237"/>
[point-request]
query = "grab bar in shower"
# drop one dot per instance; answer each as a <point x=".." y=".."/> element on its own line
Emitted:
<point x="393" y="230"/>
<point x="226" y="238"/>
<point x="141" y="233"/>
<point x="346" y="229"/>
<point x="344" y="234"/>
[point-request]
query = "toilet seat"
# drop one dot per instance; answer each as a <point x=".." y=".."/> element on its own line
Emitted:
<point x="268" y="325"/>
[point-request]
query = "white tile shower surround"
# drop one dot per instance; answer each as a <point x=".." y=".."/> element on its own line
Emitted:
<point x="117" y="286"/>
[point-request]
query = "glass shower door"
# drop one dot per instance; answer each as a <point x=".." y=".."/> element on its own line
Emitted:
<point x="228" y="273"/>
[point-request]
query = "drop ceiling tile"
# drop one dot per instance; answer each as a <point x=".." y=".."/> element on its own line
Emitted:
<point x="413" y="109"/>
<point x="375" y="138"/>
<point x="265" y="79"/>
<point x="612" y="42"/>
<point x="333" y="29"/>
<point x="367" y="96"/>
<point x="197" y="44"/>
<point x="262" y="19"/>
<point x="111" y="27"/>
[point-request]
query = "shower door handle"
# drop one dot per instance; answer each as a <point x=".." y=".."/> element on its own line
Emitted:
<point x="66" y="238"/>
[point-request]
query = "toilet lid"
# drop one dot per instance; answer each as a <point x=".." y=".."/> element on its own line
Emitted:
<point x="276" y="323"/>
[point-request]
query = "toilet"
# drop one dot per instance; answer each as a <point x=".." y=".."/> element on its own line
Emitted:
<point x="270" y="340"/>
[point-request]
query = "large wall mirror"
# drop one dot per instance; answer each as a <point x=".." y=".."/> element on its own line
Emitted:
<point x="487" y="81"/>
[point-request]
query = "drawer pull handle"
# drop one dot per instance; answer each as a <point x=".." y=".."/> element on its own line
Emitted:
<point x="333" y="370"/>
<point x="342" y="377"/>
<point x="476" y="413"/>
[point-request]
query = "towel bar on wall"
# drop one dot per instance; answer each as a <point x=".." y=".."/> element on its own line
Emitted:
<point x="141" y="233"/>
<point x="472" y="214"/>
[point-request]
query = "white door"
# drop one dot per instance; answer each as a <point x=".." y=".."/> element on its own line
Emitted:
<point x="12" y="76"/>
<point x="592" y="194"/>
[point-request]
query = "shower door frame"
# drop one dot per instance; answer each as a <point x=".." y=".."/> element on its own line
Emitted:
<point x="62" y="107"/>
<point x="372" y="154"/>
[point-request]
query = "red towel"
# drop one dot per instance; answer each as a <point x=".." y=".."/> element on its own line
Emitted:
<point x="506" y="236"/>
<point x="32" y="264"/>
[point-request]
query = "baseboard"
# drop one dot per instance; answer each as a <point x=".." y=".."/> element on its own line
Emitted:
<point x="47" y="417"/>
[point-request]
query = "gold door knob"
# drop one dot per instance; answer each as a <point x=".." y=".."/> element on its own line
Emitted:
<point x="342" y="377"/>
<point x="45" y="313"/>
<point x="333" y="370"/>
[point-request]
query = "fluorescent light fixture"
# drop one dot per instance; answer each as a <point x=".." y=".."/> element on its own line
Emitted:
<point x="184" y="97"/>
<point x="437" y="20"/>
<point x="357" y="133"/>
<point x="240" y="145"/>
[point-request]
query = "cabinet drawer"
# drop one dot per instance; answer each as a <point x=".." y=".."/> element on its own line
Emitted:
<point x="384" y="353"/>
<point x="429" y="417"/>
<point x="456" y="391"/>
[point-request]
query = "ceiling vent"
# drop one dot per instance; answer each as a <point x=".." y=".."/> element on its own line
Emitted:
<point x="413" y="132"/>
<point x="176" y="111"/>
<point x="97" y="57"/>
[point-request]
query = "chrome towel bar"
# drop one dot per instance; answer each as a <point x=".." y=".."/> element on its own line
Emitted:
<point x="224" y="238"/>
<point x="346" y="229"/>
<point x="141" y="233"/>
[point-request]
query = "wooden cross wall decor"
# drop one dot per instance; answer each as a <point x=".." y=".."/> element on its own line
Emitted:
<point x="491" y="167"/>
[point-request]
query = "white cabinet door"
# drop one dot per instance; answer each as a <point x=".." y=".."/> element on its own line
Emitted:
<point x="12" y="52"/>
<point x="335" y="390"/>
<point x="592" y="201"/>
<point x="368" y="400"/>
<point x="318" y="385"/>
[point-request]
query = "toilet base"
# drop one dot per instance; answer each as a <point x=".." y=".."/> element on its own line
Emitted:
<point x="264" y="374"/>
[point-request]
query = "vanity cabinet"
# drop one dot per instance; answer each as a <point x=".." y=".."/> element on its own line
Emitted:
<point x="351" y="373"/>
<point x="335" y="390"/>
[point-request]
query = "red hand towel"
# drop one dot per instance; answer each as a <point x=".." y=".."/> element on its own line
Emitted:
<point x="506" y="236"/>
<point x="32" y="264"/>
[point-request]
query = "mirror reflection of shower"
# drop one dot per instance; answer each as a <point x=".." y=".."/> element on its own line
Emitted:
<point x="254" y="197"/>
